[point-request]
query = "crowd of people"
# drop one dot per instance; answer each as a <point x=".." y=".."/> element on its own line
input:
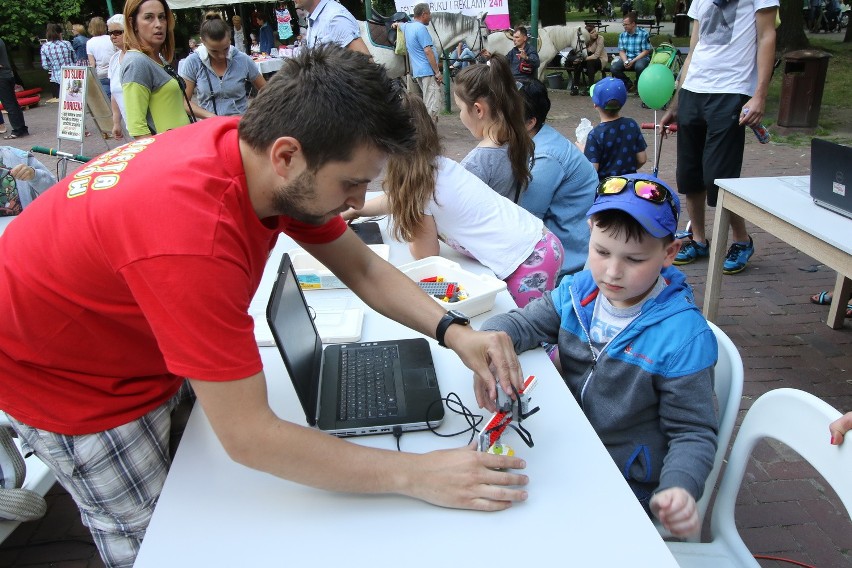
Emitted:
<point x="589" y="257"/>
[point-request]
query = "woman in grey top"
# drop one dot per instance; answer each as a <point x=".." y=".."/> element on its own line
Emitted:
<point x="217" y="72"/>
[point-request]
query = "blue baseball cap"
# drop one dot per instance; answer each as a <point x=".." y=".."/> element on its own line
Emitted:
<point x="658" y="219"/>
<point x="606" y="90"/>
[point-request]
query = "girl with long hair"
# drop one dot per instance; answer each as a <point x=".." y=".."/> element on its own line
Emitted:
<point x="432" y="198"/>
<point x="493" y="111"/>
<point x="153" y="96"/>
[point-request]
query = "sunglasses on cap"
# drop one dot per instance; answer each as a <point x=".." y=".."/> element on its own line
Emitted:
<point x="648" y="190"/>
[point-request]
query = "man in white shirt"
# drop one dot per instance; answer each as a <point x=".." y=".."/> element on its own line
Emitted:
<point x="330" y="22"/>
<point x="723" y="88"/>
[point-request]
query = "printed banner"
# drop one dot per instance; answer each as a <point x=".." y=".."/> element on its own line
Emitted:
<point x="72" y="104"/>
<point x="497" y="10"/>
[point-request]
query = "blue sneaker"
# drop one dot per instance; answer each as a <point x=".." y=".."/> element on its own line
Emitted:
<point x="691" y="251"/>
<point x="737" y="257"/>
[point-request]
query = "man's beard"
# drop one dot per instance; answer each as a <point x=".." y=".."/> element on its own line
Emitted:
<point x="294" y="199"/>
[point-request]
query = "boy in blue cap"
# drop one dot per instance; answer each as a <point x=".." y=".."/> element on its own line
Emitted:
<point x="616" y="145"/>
<point x="633" y="348"/>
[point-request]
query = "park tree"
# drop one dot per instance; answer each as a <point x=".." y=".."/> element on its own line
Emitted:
<point x="23" y="23"/>
<point x="791" y="33"/>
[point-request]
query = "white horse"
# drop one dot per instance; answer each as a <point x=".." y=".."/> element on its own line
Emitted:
<point x="447" y="30"/>
<point x="552" y="40"/>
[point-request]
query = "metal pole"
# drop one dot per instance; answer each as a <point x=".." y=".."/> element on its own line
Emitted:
<point x="447" y="95"/>
<point x="368" y="9"/>
<point x="534" y="19"/>
<point x="111" y="11"/>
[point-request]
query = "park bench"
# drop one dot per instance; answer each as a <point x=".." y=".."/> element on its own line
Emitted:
<point x="598" y="24"/>
<point x="650" y="23"/>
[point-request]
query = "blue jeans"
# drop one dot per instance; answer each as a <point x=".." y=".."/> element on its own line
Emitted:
<point x="618" y="69"/>
<point x="463" y="60"/>
<point x="105" y="87"/>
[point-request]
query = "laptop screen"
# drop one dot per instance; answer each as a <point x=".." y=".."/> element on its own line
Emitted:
<point x="296" y="336"/>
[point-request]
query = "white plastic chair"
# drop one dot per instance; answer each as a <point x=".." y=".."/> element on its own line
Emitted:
<point x="728" y="385"/>
<point x="39" y="479"/>
<point x="799" y="420"/>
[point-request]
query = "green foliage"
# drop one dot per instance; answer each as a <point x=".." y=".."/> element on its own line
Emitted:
<point x="22" y="23"/>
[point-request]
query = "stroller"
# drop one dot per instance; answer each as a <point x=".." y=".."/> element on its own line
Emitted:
<point x="668" y="55"/>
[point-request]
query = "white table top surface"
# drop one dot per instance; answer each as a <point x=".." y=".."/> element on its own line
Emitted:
<point x="788" y="198"/>
<point x="215" y="512"/>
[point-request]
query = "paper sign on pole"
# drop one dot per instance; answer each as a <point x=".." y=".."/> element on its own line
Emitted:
<point x="498" y="10"/>
<point x="72" y="104"/>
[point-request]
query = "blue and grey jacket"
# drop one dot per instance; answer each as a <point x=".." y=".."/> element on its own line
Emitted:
<point x="649" y="393"/>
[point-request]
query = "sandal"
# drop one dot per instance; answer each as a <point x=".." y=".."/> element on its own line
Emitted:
<point x="3" y="126"/>
<point x="822" y="299"/>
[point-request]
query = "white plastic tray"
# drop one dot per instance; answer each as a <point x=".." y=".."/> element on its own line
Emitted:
<point x="482" y="289"/>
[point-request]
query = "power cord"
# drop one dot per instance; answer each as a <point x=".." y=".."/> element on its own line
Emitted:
<point x="454" y="404"/>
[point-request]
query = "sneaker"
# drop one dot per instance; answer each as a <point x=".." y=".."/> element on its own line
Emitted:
<point x="737" y="257"/>
<point x="692" y="251"/>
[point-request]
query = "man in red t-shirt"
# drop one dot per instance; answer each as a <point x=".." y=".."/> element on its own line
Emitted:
<point x="137" y="271"/>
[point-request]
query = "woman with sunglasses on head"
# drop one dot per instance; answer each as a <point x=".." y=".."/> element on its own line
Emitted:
<point x="153" y="97"/>
<point x="115" y="30"/>
<point x="217" y="72"/>
<point x="434" y="199"/>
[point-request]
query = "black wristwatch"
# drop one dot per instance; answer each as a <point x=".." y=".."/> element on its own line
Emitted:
<point x="451" y="317"/>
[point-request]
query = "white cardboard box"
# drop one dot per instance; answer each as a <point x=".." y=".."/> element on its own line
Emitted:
<point x="313" y="275"/>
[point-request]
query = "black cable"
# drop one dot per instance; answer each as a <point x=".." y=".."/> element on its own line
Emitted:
<point x="454" y="404"/>
<point x="397" y="433"/>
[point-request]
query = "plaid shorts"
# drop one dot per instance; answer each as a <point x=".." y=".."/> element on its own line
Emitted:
<point x="114" y="476"/>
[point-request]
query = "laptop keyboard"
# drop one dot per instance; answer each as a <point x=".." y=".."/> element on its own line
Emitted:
<point x="367" y="385"/>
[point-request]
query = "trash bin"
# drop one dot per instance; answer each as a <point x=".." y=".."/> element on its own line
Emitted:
<point x="681" y="22"/>
<point x="555" y="81"/>
<point x="801" y="88"/>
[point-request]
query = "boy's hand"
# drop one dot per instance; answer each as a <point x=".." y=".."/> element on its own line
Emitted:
<point x="676" y="509"/>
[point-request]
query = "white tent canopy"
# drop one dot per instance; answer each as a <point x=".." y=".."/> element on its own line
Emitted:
<point x="179" y="4"/>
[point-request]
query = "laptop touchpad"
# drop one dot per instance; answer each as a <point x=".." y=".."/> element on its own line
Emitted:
<point x="416" y="379"/>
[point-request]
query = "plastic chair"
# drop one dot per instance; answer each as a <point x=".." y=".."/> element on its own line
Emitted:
<point x="39" y="479"/>
<point x="799" y="420"/>
<point x="728" y="385"/>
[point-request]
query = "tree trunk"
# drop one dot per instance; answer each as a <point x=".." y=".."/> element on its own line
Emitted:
<point x="791" y="33"/>
<point x="551" y="13"/>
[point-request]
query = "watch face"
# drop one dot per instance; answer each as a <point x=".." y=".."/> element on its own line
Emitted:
<point x="458" y="315"/>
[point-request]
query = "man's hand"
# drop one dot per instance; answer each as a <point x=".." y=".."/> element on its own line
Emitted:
<point x="439" y="76"/>
<point x="492" y="358"/>
<point x="752" y="113"/>
<point x="467" y="479"/>
<point x="670" y="116"/>
<point x="677" y="510"/>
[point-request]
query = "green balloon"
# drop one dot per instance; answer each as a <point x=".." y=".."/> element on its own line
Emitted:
<point x="656" y="85"/>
